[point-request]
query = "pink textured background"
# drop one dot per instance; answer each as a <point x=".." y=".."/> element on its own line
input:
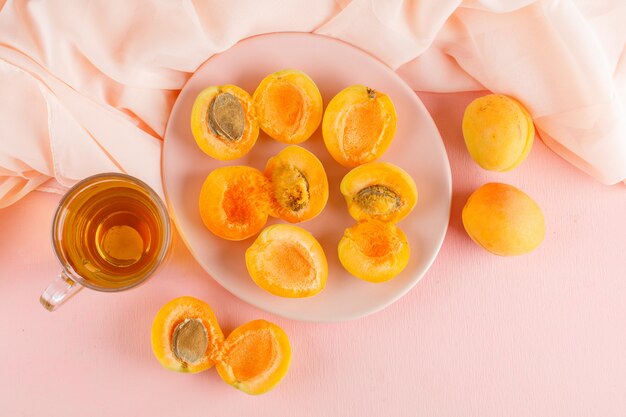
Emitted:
<point x="538" y="335"/>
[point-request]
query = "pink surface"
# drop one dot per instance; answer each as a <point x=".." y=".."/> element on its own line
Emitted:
<point x="416" y="148"/>
<point x="538" y="335"/>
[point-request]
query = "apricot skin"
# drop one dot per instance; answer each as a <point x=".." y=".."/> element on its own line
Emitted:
<point x="503" y="220"/>
<point x="498" y="132"/>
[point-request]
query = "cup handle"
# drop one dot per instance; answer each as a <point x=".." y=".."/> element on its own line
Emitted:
<point x="59" y="291"/>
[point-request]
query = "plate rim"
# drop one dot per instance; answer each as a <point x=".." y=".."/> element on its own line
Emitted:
<point x="251" y="301"/>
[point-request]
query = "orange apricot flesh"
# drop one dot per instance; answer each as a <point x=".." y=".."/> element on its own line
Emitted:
<point x="287" y="261"/>
<point x="298" y="183"/>
<point x="224" y="122"/>
<point x="503" y="220"/>
<point x="358" y="125"/>
<point x="185" y="353"/>
<point x="234" y="202"/>
<point x="289" y="106"/>
<point x="374" y="251"/>
<point x="256" y="357"/>
<point x="379" y="190"/>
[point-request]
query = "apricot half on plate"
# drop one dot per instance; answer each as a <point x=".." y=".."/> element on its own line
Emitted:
<point x="298" y="183"/>
<point x="223" y="122"/>
<point x="186" y="335"/>
<point x="287" y="261"/>
<point x="234" y="202"/>
<point x="289" y="106"/>
<point x="379" y="190"/>
<point x="256" y="357"/>
<point x="374" y="251"/>
<point x="359" y="125"/>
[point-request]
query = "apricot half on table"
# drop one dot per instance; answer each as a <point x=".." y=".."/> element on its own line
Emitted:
<point x="298" y="183"/>
<point x="374" y="251"/>
<point x="287" y="261"/>
<point x="358" y="126"/>
<point x="223" y="122"/>
<point x="379" y="190"/>
<point x="503" y="220"/>
<point x="498" y="132"/>
<point x="289" y="106"/>
<point x="234" y="202"/>
<point x="186" y="337"/>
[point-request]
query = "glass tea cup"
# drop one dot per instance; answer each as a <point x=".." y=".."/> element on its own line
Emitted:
<point x="110" y="232"/>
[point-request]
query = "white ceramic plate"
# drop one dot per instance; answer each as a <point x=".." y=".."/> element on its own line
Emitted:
<point x="417" y="148"/>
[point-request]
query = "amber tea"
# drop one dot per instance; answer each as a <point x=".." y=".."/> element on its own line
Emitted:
<point x="111" y="232"/>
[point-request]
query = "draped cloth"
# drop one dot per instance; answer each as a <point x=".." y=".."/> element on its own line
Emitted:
<point x="87" y="87"/>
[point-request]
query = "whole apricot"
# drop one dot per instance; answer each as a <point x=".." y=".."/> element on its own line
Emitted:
<point x="503" y="220"/>
<point x="498" y="132"/>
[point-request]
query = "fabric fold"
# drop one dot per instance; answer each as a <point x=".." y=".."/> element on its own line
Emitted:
<point x="87" y="87"/>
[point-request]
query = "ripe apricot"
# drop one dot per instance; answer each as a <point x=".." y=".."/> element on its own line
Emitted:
<point x="287" y="261"/>
<point x="223" y="122"/>
<point x="256" y="357"/>
<point x="186" y="337"/>
<point x="234" y="202"/>
<point x="374" y="251"/>
<point x="298" y="184"/>
<point x="379" y="190"/>
<point x="498" y="132"/>
<point x="289" y="106"/>
<point x="503" y="220"/>
<point x="358" y="126"/>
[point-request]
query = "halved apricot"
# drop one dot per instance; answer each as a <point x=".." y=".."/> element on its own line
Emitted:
<point x="287" y="261"/>
<point x="256" y="357"/>
<point x="234" y="202"/>
<point x="289" y="106"/>
<point x="379" y="190"/>
<point x="374" y="251"/>
<point x="223" y="122"/>
<point x="359" y="125"/>
<point x="186" y="336"/>
<point x="298" y="183"/>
